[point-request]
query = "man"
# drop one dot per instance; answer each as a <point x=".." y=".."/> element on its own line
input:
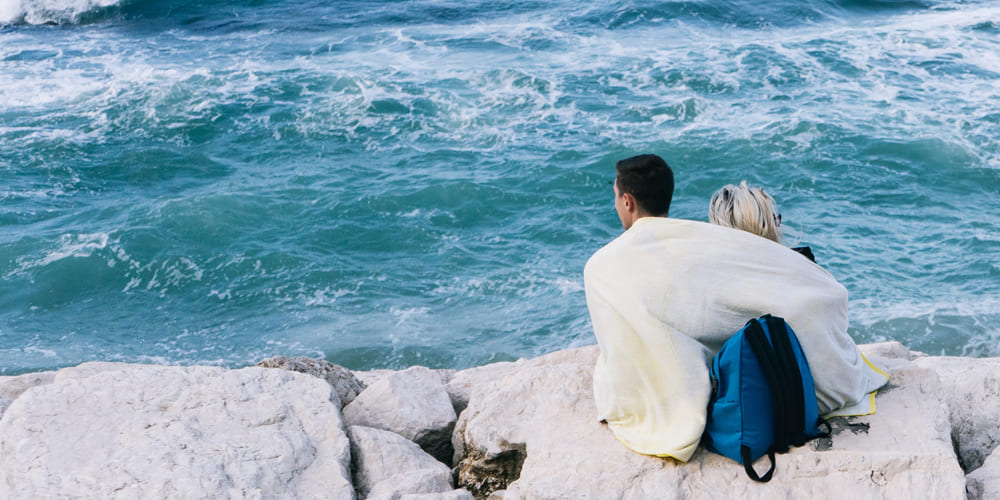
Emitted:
<point x="666" y="294"/>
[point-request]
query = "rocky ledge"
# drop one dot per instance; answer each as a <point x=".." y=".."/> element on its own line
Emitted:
<point x="303" y="428"/>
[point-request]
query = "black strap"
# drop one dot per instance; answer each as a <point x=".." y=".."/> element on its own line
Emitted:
<point x="819" y="425"/>
<point x="792" y="376"/>
<point x="807" y="252"/>
<point x="779" y="391"/>
<point x="748" y="465"/>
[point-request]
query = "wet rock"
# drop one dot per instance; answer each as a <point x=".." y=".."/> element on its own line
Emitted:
<point x="343" y="381"/>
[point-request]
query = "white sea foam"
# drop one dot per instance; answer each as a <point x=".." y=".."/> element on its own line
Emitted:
<point x="567" y="286"/>
<point x="945" y="321"/>
<point x="499" y="108"/>
<point x="526" y="284"/>
<point x="68" y="246"/>
<point x="47" y="353"/>
<point x="406" y="315"/>
<point x="326" y="297"/>
<point x="48" y="11"/>
<point x="884" y="60"/>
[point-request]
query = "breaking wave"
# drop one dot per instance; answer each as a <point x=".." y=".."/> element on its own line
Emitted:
<point x="53" y="11"/>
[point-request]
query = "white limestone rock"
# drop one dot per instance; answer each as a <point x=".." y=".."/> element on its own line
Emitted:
<point x="12" y="387"/>
<point x="4" y="404"/>
<point x="484" y="376"/>
<point x="460" y="386"/>
<point x="534" y="433"/>
<point x="343" y="381"/>
<point x="171" y="432"/>
<point x="971" y="390"/>
<point x="418" y="482"/>
<point x="369" y="377"/>
<point x="446" y="374"/>
<point x="891" y="351"/>
<point x="412" y="403"/>
<point x="984" y="482"/>
<point x="387" y="465"/>
<point x="448" y="495"/>
<point x="573" y="356"/>
<point x="85" y="370"/>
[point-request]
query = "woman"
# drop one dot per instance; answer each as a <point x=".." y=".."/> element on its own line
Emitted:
<point x="749" y="209"/>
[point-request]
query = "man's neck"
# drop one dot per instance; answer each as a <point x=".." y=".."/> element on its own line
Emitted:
<point x="644" y="215"/>
<point x="647" y="215"/>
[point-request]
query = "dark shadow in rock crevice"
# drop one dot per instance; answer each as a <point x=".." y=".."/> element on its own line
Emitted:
<point x="438" y="444"/>
<point x="483" y="475"/>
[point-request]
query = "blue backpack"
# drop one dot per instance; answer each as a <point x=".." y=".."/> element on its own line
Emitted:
<point x="763" y="399"/>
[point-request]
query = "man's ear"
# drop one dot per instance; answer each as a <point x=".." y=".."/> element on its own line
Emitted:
<point x="629" y="201"/>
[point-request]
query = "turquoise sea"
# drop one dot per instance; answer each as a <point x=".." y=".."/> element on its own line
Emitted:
<point x="384" y="182"/>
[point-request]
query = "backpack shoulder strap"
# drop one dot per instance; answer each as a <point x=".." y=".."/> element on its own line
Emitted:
<point x="769" y="365"/>
<point x="791" y="377"/>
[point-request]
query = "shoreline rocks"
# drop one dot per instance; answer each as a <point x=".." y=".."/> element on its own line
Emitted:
<point x="305" y="428"/>
<point x="412" y="403"/>
<point x="144" y="431"/>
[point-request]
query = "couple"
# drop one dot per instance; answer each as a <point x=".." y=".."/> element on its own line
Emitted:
<point x="665" y="295"/>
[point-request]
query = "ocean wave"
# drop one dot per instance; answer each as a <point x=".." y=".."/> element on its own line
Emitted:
<point x="740" y="14"/>
<point x="422" y="88"/>
<point x="427" y="180"/>
<point x="54" y="11"/>
<point x="961" y="324"/>
<point x="68" y="246"/>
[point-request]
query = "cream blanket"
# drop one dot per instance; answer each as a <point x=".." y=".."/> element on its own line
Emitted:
<point x="666" y="294"/>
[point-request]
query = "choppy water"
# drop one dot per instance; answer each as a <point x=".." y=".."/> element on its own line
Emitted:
<point x="393" y="182"/>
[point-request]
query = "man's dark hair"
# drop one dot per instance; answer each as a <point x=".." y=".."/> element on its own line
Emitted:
<point x="649" y="179"/>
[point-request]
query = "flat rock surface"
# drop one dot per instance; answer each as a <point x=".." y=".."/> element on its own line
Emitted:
<point x="534" y="434"/>
<point x="142" y="431"/>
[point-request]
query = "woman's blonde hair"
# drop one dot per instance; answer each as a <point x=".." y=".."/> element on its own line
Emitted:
<point x="747" y="208"/>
